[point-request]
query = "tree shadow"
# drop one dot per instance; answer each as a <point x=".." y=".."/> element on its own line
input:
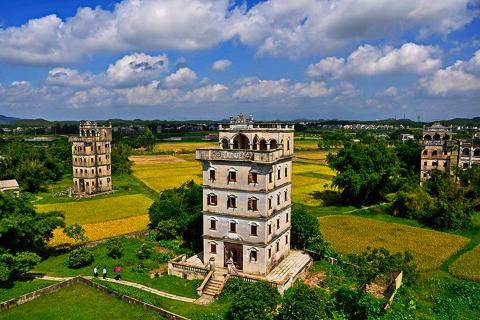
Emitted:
<point x="328" y="197"/>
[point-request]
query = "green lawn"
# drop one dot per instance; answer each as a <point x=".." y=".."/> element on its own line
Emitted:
<point x="216" y="310"/>
<point x="21" y="287"/>
<point x="78" y="302"/>
<point x="100" y="209"/>
<point x="134" y="269"/>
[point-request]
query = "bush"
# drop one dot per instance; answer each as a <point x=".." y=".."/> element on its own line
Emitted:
<point x="114" y="248"/>
<point x="256" y="300"/>
<point x="145" y="251"/>
<point x="79" y="258"/>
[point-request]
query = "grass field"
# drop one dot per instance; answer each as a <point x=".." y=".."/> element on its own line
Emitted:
<point x="183" y="146"/>
<point x="468" y="265"/>
<point x="21" y="287"/>
<point x="352" y="234"/>
<point x="99" y="210"/>
<point x="164" y="172"/>
<point x="78" y="302"/>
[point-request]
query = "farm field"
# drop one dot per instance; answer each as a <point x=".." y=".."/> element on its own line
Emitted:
<point x="105" y="229"/>
<point x="164" y="172"/>
<point x="78" y="302"/>
<point x="98" y="210"/>
<point x="182" y="146"/>
<point x="467" y="266"/>
<point x="352" y="234"/>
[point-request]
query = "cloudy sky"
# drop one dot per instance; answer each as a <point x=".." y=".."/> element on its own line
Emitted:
<point x="208" y="59"/>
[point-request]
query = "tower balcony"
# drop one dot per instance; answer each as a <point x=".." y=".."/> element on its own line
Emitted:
<point x="261" y="156"/>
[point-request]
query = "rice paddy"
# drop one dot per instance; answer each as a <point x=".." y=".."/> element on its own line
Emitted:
<point x="353" y="234"/>
<point x="182" y="146"/>
<point x="468" y="265"/>
<point x="99" y="210"/>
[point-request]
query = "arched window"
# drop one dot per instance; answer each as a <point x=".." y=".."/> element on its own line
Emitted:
<point x="253" y="255"/>
<point x="465" y="165"/>
<point x="425" y="152"/>
<point x="446" y="137"/>
<point x="241" y="142"/>
<point x="434" y="152"/>
<point x="255" y="143"/>
<point x="224" y="143"/>
<point x="263" y="145"/>
<point x="466" y="152"/>
<point x="212" y="199"/>
<point x="476" y="153"/>
<point x="273" y="144"/>
<point x="427" y="137"/>
<point x="253" y="204"/>
<point x="436" y="136"/>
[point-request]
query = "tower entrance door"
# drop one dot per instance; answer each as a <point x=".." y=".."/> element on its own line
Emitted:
<point x="235" y="252"/>
<point x="82" y="185"/>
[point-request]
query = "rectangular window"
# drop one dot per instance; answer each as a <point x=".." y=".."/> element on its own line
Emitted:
<point x="269" y="203"/>
<point x="212" y="175"/>
<point x="270" y="177"/>
<point x="213" y="224"/>
<point x="232" y="176"/>
<point x="425" y="163"/>
<point x="108" y="179"/>
<point x="286" y="171"/>
<point x="269" y="229"/>
<point x="252" y="204"/>
<point x="233" y="227"/>
<point x="278" y="174"/>
<point x="285" y="193"/>
<point x="278" y="223"/>
<point x="253" y="256"/>
<point x="286" y="217"/>
<point x="269" y="253"/>
<point x="252" y="177"/>
<point x="286" y="239"/>
<point x="278" y="199"/>
<point x="231" y="202"/>
<point x="278" y="246"/>
<point x="253" y="230"/>
<point x="212" y="200"/>
<point x="213" y="248"/>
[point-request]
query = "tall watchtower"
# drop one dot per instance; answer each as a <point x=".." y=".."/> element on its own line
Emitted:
<point x="247" y="195"/>
<point x="91" y="159"/>
<point x="436" y="149"/>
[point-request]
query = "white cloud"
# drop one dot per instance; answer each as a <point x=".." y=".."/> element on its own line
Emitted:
<point x="254" y="90"/>
<point x="208" y="93"/>
<point x="312" y="89"/>
<point x="180" y="78"/>
<point x="276" y="27"/>
<point x="148" y="95"/>
<point x="368" y="60"/>
<point x="69" y="78"/>
<point x="221" y="65"/>
<point x="463" y="77"/>
<point x="95" y="97"/>
<point x="136" y="68"/>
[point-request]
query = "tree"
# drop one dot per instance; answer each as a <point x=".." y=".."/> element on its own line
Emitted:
<point x="147" y="139"/>
<point x="412" y="202"/>
<point x="254" y="301"/>
<point x="366" y="172"/>
<point x="23" y="234"/>
<point x="76" y="232"/>
<point x="305" y="231"/>
<point x="182" y="207"/>
<point x="120" y="163"/>
<point x="408" y="153"/>
<point x="302" y="302"/>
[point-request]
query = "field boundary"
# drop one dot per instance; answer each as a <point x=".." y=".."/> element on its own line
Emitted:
<point x="79" y="279"/>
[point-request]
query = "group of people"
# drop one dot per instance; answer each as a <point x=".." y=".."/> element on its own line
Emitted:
<point x="104" y="272"/>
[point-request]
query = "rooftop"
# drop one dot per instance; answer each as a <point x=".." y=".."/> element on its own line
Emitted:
<point x="242" y="123"/>
<point x="6" y="184"/>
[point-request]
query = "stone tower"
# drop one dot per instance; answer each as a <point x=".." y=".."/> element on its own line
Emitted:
<point x="436" y="149"/>
<point x="91" y="159"/>
<point x="247" y="196"/>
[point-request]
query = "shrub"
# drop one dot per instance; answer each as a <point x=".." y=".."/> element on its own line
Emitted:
<point x="145" y="251"/>
<point x="114" y="248"/>
<point x="79" y="258"/>
<point x="256" y="300"/>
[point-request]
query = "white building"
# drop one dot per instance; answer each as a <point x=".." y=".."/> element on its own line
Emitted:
<point x="247" y="205"/>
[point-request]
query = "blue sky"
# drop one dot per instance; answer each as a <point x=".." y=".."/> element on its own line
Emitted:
<point x="208" y="59"/>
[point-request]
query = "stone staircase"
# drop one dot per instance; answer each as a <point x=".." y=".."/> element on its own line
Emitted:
<point x="213" y="287"/>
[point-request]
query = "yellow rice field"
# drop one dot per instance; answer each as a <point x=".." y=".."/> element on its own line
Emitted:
<point x="352" y="234"/>
<point x="177" y="146"/>
<point x="306" y="144"/>
<point x="468" y="265"/>
<point x="164" y="175"/>
<point x="97" y="210"/>
<point x="103" y="230"/>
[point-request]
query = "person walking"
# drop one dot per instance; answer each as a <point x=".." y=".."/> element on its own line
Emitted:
<point x="95" y="272"/>
<point x="117" y="272"/>
<point x="104" y="272"/>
